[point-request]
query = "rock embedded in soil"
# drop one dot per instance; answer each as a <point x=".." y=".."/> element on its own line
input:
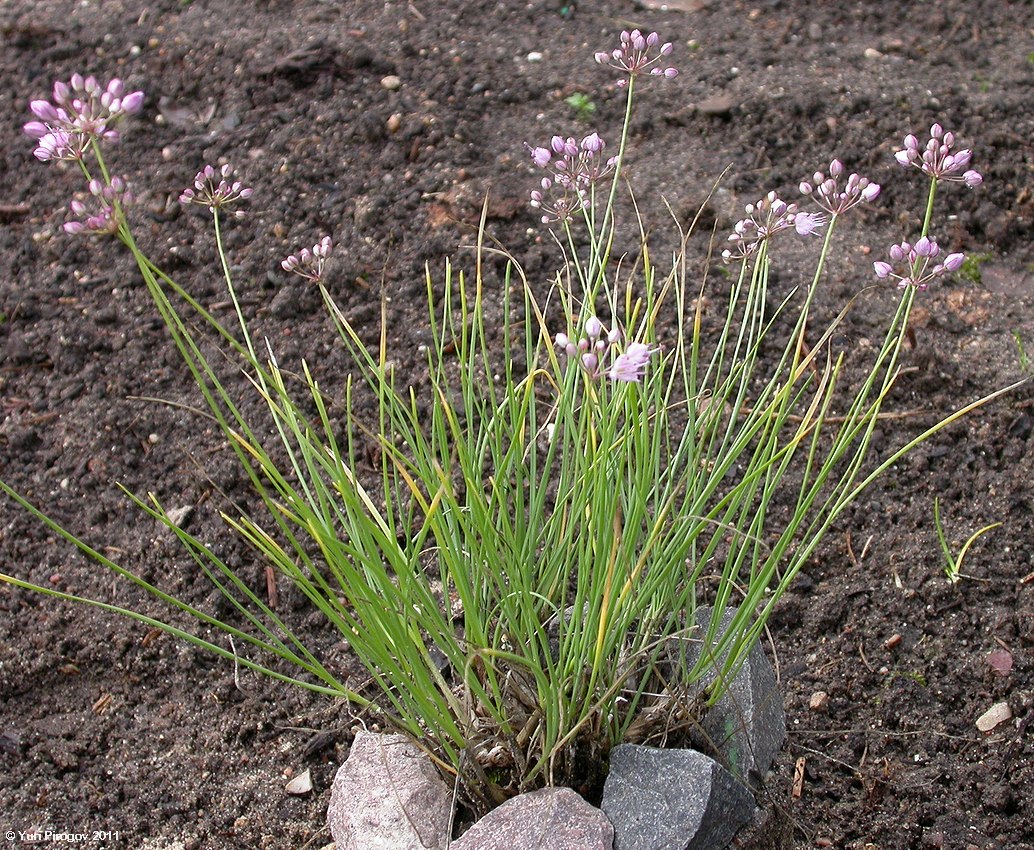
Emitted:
<point x="662" y="799"/>
<point x="388" y="796"/>
<point x="747" y="726"/>
<point x="547" y="819"/>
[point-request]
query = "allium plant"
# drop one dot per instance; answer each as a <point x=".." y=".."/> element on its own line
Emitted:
<point x="522" y="572"/>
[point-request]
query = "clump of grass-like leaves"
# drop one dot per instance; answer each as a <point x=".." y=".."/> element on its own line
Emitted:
<point x="541" y="525"/>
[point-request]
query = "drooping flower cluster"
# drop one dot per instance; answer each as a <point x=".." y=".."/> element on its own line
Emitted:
<point x="764" y="219"/>
<point x="102" y="214"/>
<point x="574" y="168"/>
<point x="827" y="193"/>
<point x="638" y="53"/>
<point x="937" y="160"/>
<point x="597" y="344"/>
<point x="916" y="265"/>
<point x="213" y="188"/>
<point x="83" y="111"/>
<point x="309" y="263"/>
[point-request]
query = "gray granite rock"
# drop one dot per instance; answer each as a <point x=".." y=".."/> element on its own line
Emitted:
<point x="388" y="796"/>
<point x="747" y="726"/>
<point x="672" y="800"/>
<point x="547" y="819"/>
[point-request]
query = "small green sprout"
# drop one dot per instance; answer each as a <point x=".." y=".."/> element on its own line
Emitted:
<point x="1025" y="364"/>
<point x="953" y="565"/>
<point x="971" y="267"/>
<point x="582" y="104"/>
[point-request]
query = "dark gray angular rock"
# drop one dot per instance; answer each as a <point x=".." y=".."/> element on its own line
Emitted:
<point x="547" y="819"/>
<point x="388" y="796"/>
<point x="672" y="800"/>
<point x="747" y="726"/>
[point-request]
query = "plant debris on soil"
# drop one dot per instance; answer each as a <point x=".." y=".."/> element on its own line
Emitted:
<point x="386" y="125"/>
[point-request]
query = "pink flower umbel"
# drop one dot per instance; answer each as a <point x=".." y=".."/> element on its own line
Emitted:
<point x="83" y="111"/>
<point x="103" y="215"/>
<point x="214" y="189"/>
<point x="574" y="168"/>
<point x="938" y="159"/>
<point x="764" y="219"/>
<point x="915" y="265"/>
<point x="637" y="54"/>
<point x="309" y="263"/>
<point x="597" y="344"/>
<point x="827" y="192"/>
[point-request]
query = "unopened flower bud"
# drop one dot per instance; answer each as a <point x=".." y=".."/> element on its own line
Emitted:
<point x="926" y="247"/>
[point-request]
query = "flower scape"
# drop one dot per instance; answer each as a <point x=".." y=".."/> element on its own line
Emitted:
<point x="519" y="569"/>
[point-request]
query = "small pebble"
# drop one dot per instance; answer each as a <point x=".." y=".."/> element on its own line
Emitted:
<point x="534" y="56"/>
<point x="872" y="53"/>
<point x="391" y="82"/>
<point x="300" y="784"/>
<point x="892" y="641"/>
<point x="180" y="516"/>
<point x="819" y="701"/>
<point x="394" y="122"/>
<point x="995" y="715"/>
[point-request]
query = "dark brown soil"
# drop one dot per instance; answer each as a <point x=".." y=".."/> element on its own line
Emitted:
<point x="107" y="725"/>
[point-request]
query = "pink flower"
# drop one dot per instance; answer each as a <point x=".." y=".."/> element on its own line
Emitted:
<point x="917" y="263"/>
<point x="310" y="262"/>
<point x="638" y="53"/>
<point x="631" y="364"/>
<point x="937" y="159"/>
<point x="214" y="189"/>
<point x="827" y="192"/>
<point x="83" y="111"/>
<point x="765" y="219"/>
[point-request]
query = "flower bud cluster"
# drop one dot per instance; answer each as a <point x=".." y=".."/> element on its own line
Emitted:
<point x="309" y="263"/>
<point x="574" y="167"/>
<point x="214" y="189"/>
<point x="82" y="111"/>
<point x="937" y="159"/>
<point x="638" y="53"/>
<point x="828" y="195"/>
<point x="103" y="214"/>
<point x="917" y="263"/>
<point x="764" y="219"/>
<point x="597" y="345"/>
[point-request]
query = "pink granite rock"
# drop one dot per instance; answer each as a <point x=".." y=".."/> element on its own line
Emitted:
<point x="388" y="796"/>
<point x="547" y="819"/>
